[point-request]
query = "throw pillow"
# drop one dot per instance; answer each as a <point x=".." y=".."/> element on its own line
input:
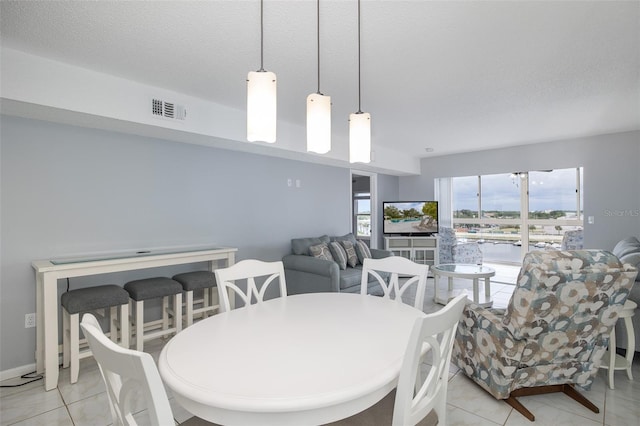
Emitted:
<point x="362" y="250"/>
<point x="352" y="257"/>
<point x="321" y="251"/>
<point x="338" y="253"/>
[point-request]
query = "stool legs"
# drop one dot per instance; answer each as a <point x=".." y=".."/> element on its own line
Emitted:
<point x="189" y="307"/>
<point x="139" y="324"/>
<point x="138" y="307"/>
<point x="71" y="337"/>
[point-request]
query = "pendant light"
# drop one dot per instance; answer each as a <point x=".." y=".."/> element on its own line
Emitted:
<point x="359" y="122"/>
<point x="261" y="98"/>
<point x="318" y="111"/>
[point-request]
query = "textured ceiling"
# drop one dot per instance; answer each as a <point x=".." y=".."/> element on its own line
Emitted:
<point x="455" y="76"/>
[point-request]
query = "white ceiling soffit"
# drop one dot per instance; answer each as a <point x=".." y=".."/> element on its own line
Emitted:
<point x="447" y="75"/>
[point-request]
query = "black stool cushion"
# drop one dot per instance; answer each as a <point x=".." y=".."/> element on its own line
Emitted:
<point x="152" y="288"/>
<point x="91" y="298"/>
<point x="196" y="280"/>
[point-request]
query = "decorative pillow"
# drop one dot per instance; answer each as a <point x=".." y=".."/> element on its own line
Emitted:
<point x="362" y="250"/>
<point x="352" y="257"/>
<point x="338" y="253"/>
<point x="321" y="251"/>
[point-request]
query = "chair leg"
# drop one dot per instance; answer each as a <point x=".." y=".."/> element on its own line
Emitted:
<point x="65" y="338"/>
<point x="140" y="325"/>
<point x="177" y="301"/>
<point x="567" y="389"/>
<point x="113" y="324"/>
<point x="165" y="312"/>
<point x="74" y="346"/>
<point x="520" y="408"/>
<point x="189" y="308"/>
<point x="124" y="326"/>
<point x="577" y="396"/>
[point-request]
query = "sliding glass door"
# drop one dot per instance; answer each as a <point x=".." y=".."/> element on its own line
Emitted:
<point x="511" y="213"/>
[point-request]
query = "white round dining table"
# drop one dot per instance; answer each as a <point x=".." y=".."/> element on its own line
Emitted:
<point x="305" y="359"/>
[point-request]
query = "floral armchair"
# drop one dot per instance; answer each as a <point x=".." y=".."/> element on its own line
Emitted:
<point x="451" y="251"/>
<point x="555" y="329"/>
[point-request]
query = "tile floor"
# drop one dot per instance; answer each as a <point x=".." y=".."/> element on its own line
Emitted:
<point x="85" y="403"/>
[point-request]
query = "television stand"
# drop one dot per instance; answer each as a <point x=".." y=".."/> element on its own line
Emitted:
<point x="422" y="249"/>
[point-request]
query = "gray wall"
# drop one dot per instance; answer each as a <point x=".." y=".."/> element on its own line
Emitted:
<point x="388" y="190"/>
<point x="69" y="190"/>
<point x="611" y="177"/>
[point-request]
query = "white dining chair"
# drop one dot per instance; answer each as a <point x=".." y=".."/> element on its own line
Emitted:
<point x="434" y="334"/>
<point x="416" y="400"/>
<point x="250" y="269"/>
<point x="395" y="267"/>
<point x="130" y="377"/>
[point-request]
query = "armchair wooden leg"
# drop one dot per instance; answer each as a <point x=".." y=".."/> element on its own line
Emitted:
<point x="520" y="408"/>
<point x="574" y="394"/>
<point x="567" y="389"/>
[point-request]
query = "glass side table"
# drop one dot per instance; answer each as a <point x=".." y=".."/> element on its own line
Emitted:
<point x="468" y="271"/>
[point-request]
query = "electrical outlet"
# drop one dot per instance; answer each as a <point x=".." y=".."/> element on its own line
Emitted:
<point x="29" y="320"/>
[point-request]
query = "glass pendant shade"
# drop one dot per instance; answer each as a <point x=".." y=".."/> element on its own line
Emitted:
<point x="318" y="123"/>
<point x="261" y="106"/>
<point x="360" y="137"/>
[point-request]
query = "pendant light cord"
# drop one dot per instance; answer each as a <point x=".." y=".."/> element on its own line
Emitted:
<point x="318" y="29"/>
<point x="261" y="36"/>
<point x="359" y="83"/>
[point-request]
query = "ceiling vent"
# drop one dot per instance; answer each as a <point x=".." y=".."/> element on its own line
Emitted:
<point x="170" y="110"/>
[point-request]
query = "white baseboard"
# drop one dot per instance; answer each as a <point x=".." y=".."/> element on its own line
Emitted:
<point x="17" y="372"/>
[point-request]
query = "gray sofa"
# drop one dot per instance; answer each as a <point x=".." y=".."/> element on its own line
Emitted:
<point x="307" y="274"/>
<point x="628" y="251"/>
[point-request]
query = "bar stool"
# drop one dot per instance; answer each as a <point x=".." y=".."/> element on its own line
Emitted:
<point x="612" y="361"/>
<point x="91" y="299"/>
<point x="198" y="280"/>
<point x="154" y="288"/>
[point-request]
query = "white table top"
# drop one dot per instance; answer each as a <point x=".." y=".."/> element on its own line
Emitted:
<point x="303" y="359"/>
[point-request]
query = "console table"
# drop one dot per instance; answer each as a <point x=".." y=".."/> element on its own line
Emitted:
<point x="423" y="250"/>
<point x="48" y="272"/>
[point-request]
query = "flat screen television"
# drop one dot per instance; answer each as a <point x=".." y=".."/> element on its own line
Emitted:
<point x="410" y="217"/>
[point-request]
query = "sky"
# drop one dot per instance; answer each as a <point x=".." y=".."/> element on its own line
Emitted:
<point x="553" y="190"/>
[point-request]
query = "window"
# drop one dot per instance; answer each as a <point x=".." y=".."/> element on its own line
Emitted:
<point x="362" y="213"/>
<point x="514" y="212"/>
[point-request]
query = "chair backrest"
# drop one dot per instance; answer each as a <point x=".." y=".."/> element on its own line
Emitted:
<point x="434" y="335"/>
<point x="446" y="242"/>
<point x="249" y="270"/>
<point x="130" y="376"/>
<point x="394" y="267"/>
<point x="467" y="253"/>
<point x="565" y="305"/>
<point x="573" y="240"/>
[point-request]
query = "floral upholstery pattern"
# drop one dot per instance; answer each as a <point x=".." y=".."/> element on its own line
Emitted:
<point x="451" y="251"/>
<point x="573" y="240"/>
<point x="556" y="327"/>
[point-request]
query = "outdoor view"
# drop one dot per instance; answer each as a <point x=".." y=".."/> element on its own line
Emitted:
<point x="488" y="209"/>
